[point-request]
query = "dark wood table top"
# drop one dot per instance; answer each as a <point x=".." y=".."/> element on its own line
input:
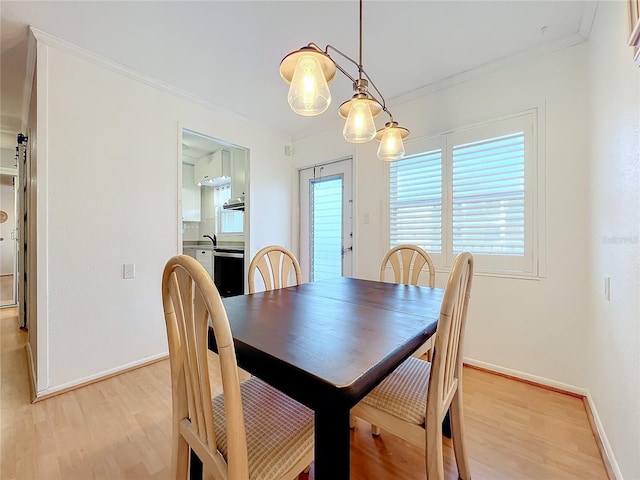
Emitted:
<point x="331" y="340"/>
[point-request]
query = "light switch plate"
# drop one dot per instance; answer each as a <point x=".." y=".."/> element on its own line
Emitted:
<point x="129" y="270"/>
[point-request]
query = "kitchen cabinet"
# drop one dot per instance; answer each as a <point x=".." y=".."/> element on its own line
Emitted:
<point x="238" y="175"/>
<point x="191" y="203"/>
<point x="205" y="258"/>
<point x="213" y="166"/>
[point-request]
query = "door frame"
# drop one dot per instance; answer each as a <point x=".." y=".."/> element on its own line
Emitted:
<point x="13" y="172"/>
<point x="351" y="202"/>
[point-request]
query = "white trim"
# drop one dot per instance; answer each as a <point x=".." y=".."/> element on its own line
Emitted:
<point x="526" y="376"/>
<point x="104" y="374"/>
<point x="586" y="21"/>
<point x="179" y="239"/>
<point x="608" y="451"/>
<point x="27" y="86"/>
<point x="39" y="208"/>
<point x="68" y="47"/>
<point x="32" y="371"/>
<point x="540" y="181"/>
<point x="8" y="171"/>
<point x="490" y="67"/>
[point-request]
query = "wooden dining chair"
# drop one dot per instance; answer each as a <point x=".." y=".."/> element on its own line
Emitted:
<point x="417" y="395"/>
<point x="274" y="265"/>
<point x="408" y="262"/>
<point x="251" y="430"/>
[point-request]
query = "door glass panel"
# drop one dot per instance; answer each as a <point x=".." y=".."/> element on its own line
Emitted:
<point x="326" y="227"/>
<point x="326" y="221"/>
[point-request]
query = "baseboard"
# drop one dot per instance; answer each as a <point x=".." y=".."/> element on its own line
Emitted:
<point x="526" y="377"/>
<point x="608" y="458"/>
<point x="32" y="372"/>
<point x="98" y="378"/>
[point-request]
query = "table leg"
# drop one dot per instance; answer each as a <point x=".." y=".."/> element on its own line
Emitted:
<point x="195" y="470"/>
<point x="332" y="444"/>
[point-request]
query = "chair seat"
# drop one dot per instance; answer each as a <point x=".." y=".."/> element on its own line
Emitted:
<point x="404" y="392"/>
<point x="279" y="429"/>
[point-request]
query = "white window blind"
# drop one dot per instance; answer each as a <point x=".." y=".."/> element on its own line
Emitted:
<point x="415" y="201"/>
<point x="488" y="196"/>
<point x="479" y="191"/>
<point x="326" y="227"/>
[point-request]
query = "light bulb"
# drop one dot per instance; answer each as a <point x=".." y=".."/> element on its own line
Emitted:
<point x="359" y="127"/>
<point x="391" y="146"/>
<point x="309" y="93"/>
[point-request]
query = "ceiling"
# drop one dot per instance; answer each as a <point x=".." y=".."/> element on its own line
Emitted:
<point x="228" y="53"/>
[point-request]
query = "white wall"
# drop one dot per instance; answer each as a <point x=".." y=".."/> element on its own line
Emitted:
<point x="613" y="368"/>
<point x="108" y="162"/>
<point x="530" y="327"/>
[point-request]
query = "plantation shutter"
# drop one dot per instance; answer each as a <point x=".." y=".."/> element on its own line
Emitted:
<point x="415" y="202"/>
<point x="488" y="196"/>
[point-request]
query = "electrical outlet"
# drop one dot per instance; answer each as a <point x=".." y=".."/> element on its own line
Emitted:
<point x="607" y="288"/>
<point x="129" y="270"/>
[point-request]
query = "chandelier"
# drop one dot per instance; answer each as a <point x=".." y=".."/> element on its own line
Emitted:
<point x="310" y="69"/>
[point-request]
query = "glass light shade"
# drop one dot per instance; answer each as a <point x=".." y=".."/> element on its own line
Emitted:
<point x="309" y="93"/>
<point x="391" y="146"/>
<point x="391" y="142"/>
<point x="359" y="127"/>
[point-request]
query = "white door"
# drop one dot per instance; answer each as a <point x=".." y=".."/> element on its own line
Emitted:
<point x="326" y="221"/>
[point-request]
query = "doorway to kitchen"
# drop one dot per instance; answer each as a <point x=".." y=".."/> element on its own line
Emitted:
<point x="213" y="223"/>
<point x="326" y="220"/>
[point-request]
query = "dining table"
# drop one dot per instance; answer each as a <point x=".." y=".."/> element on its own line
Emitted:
<point x="326" y="344"/>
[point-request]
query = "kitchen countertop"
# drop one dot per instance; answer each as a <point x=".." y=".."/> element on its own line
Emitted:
<point x="209" y="246"/>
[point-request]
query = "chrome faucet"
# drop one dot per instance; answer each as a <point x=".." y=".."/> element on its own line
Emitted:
<point x="213" y="239"/>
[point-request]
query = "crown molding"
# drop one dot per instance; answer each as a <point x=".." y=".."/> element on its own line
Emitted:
<point x="487" y="68"/>
<point x="91" y="57"/>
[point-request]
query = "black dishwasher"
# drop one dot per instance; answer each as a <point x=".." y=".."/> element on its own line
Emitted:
<point x="228" y="271"/>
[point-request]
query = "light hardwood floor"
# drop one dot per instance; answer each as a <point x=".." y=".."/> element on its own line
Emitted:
<point x="6" y="289"/>
<point x="119" y="428"/>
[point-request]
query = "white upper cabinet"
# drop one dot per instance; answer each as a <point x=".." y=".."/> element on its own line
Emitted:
<point x="191" y="204"/>
<point x="216" y="165"/>
<point x="237" y="174"/>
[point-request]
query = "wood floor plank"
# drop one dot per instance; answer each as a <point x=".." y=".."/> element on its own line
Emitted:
<point x="120" y="428"/>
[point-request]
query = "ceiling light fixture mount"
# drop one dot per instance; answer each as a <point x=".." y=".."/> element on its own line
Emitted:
<point x="310" y="69"/>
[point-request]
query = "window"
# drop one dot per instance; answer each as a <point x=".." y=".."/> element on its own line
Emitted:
<point x="227" y="221"/>
<point x="471" y="189"/>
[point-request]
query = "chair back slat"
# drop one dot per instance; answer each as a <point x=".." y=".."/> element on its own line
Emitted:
<point x="418" y="263"/>
<point x="274" y="264"/>
<point x="407" y="262"/>
<point x="263" y="266"/>
<point x="190" y="300"/>
<point x="447" y="357"/>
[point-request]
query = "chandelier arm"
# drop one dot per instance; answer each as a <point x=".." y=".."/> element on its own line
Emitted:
<point x="314" y="45"/>
<point x="359" y="67"/>
<point x="343" y="71"/>
<point x="383" y="103"/>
